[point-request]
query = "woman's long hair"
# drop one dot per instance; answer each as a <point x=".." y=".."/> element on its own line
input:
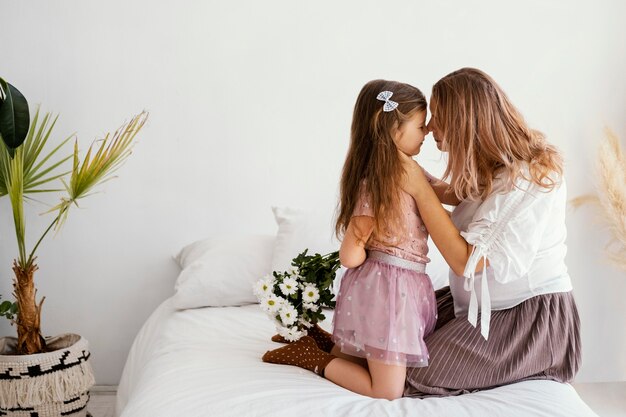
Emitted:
<point x="372" y="164"/>
<point x="486" y="135"/>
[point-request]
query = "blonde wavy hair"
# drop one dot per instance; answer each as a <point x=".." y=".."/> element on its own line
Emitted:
<point x="373" y="164"/>
<point x="486" y="135"/>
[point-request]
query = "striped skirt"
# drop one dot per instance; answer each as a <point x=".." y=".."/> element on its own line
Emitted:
<point x="537" y="339"/>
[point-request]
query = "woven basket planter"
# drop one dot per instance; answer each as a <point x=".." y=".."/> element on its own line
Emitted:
<point x="49" y="384"/>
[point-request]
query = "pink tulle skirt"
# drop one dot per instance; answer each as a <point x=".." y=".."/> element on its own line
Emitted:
<point x="385" y="311"/>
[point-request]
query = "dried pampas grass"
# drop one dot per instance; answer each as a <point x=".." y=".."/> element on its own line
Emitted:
<point x="611" y="197"/>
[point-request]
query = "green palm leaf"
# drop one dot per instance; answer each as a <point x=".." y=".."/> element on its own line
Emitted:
<point x="35" y="172"/>
<point x="34" y="161"/>
<point x="113" y="151"/>
<point x="94" y="170"/>
<point x="13" y="182"/>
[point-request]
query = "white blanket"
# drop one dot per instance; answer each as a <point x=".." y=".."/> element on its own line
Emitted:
<point x="207" y="362"/>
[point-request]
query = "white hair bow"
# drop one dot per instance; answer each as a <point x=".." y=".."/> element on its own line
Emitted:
<point x="385" y="96"/>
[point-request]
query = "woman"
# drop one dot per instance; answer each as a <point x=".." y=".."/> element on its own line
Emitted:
<point x="516" y="318"/>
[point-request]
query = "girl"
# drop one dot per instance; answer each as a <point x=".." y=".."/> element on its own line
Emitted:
<point x="386" y="304"/>
<point x="513" y="316"/>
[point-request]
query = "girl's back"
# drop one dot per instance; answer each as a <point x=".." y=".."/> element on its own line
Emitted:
<point x="412" y="241"/>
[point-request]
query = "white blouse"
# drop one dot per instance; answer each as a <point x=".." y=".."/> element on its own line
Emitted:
<point x="521" y="231"/>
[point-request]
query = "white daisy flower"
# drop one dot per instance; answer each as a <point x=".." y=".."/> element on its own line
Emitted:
<point x="310" y="294"/>
<point x="291" y="333"/>
<point x="311" y="306"/>
<point x="264" y="286"/>
<point x="271" y="303"/>
<point x="305" y="323"/>
<point x="288" y="315"/>
<point x="289" y="286"/>
<point x="282" y="302"/>
<point x="295" y="334"/>
<point x="293" y="270"/>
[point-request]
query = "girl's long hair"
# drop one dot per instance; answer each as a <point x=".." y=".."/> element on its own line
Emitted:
<point x="372" y="164"/>
<point x="486" y="135"/>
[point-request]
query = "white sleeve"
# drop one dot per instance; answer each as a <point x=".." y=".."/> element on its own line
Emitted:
<point x="506" y="230"/>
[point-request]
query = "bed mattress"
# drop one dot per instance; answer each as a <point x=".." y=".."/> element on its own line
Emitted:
<point x="207" y="362"/>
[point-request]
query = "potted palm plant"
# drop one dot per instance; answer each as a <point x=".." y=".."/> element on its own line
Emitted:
<point x="45" y="376"/>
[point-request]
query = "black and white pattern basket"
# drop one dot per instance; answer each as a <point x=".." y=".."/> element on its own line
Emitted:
<point x="49" y="384"/>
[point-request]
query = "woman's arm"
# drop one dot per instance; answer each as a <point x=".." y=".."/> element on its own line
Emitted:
<point x="453" y="247"/>
<point x="352" y="251"/>
<point x="442" y="189"/>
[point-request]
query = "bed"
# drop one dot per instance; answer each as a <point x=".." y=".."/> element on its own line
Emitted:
<point x="199" y="353"/>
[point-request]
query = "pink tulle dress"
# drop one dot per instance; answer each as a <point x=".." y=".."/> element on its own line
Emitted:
<point x="386" y="306"/>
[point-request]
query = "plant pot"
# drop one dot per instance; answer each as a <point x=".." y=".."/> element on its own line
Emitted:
<point x="55" y="383"/>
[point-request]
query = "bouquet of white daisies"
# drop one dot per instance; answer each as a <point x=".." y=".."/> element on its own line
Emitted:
<point x="294" y="299"/>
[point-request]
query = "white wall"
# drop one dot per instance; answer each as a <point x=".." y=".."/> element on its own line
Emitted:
<point x="250" y="107"/>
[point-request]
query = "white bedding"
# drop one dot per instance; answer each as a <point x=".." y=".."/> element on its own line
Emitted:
<point x="206" y="362"/>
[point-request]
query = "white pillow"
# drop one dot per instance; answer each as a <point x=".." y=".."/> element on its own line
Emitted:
<point x="301" y="229"/>
<point x="221" y="271"/>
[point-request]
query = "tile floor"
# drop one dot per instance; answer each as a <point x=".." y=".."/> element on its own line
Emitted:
<point x="102" y="401"/>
